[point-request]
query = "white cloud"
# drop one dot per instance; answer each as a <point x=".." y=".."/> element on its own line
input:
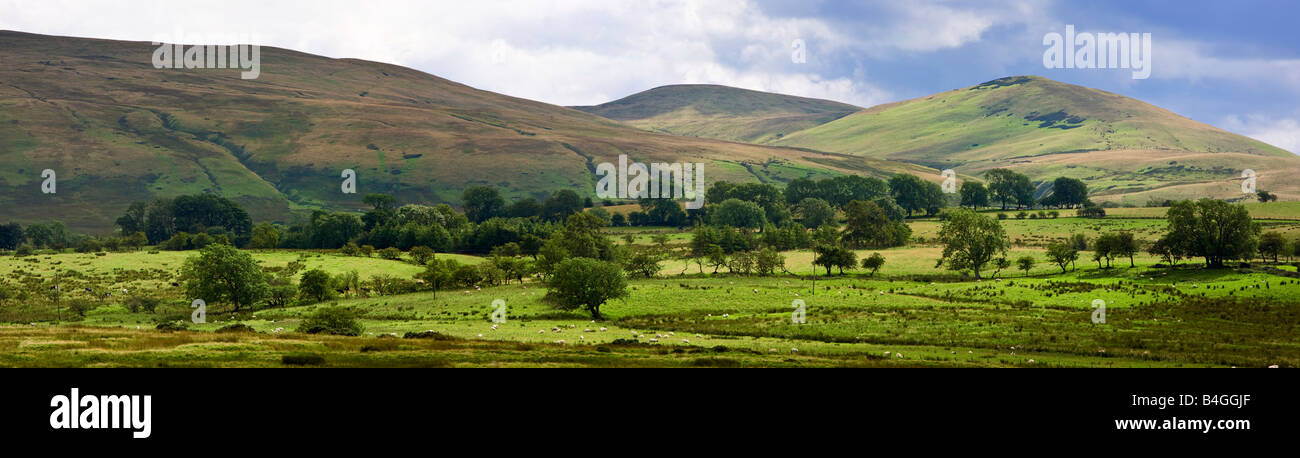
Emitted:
<point x="567" y="52"/>
<point x="1283" y="133"/>
<point x="1194" y="61"/>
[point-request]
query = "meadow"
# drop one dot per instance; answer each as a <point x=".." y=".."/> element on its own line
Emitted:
<point x="910" y="313"/>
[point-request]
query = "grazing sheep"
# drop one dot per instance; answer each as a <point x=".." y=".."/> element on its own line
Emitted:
<point x="1273" y="366"/>
<point x="654" y="340"/>
<point x="794" y="350"/>
<point x="561" y="341"/>
<point x="602" y="329"/>
<point x="1031" y="361"/>
<point x="685" y="341"/>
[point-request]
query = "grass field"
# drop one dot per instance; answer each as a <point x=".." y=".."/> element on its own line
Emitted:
<point x="909" y="314"/>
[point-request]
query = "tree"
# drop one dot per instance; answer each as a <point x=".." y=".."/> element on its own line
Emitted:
<point x="974" y="195"/>
<point x="769" y="260"/>
<point x="909" y="191"/>
<point x="1214" y="229"/>
<point x="383" y="202"/>
<point x="873" y="263"/>
<point x="1272" y="243"/>
<point x="970" y="241"/>
<point x="1069" y="192"/>
<point x="1107" y="246"/>
<point x="222" y="273"/>
<point x="438" y="273"/>
<point x="815" y="212"/>
<point x="421" y="254"/>
<point x="866" y="225"/>
<point x="560" y="205"/>
<point x="834" y="256"/>
<point x="739" y="214"/>
<point x="1125" y="246"/>
<point x="1062" y="254"/>
<point x="1167" y="250"/>
<point x="1265" y="196"/>
<point x="264" y="236"/>
<point x="1008" y="186"/>
<point x="134" y="218"/>
<point x="588" y="284"/>
<point x="315" y="285"/>
<point x="1025" y="263"/>
<point x="137" y="240"/>
<point x="11" y="236"/>
<point x="482" y="203"/>
<point x="643" y="264"/>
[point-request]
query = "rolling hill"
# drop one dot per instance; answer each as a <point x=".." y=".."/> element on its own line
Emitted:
<point x="1125" y="149"/>
<point x="117" y="130"/>
<point x="721" y="112"/>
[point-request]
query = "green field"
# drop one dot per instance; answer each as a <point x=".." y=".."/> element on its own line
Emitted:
<point x="908" y="314"/>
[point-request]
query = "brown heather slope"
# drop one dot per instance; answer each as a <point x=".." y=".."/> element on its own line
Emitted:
<point x="116" y="130"/>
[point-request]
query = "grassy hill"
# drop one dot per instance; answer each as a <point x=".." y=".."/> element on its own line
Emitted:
<point x="721" y="112"/>
<point x="1125" y="149"/>
<point x="115" y="129"/>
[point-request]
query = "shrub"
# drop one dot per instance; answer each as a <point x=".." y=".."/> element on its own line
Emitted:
<point x="390" y="253"/>
<point x="236" y="327"/>
<point x="1002" y="216"/>
<point x="170" y="326"/>
<point x="435" y="335"/>
<point x="331" y="320"/>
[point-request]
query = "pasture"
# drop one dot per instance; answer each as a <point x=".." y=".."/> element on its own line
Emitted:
<point x="909" y="314"/>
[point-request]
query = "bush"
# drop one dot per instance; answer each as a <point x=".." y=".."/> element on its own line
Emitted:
<point x="331" y="320"/>
<point x="170" y="326"/>
<point x="390" y="253"/>
<point x="435" y="335"/>
<point x="303" y="359"/>
<point x="236" y="327"/>
<point x="1002" y="216"/>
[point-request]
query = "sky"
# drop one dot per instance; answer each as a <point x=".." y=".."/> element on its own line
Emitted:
<point x="1231" y="64"/>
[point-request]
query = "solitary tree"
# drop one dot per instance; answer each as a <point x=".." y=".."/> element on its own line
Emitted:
<point x="970" y="241"/>
<point x="315" y="285"/>
<point x="1062" y="254"/>
<point x="587" y="283"/>
<point x="223" y="273"/>
<point x="1025" y="263"/>
<point x="873" y="263"/>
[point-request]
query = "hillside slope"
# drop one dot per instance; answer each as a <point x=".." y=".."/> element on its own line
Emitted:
<point x="721" y="112"/>
<point x="116" y="130"/>
<point x="1124" y="148"/>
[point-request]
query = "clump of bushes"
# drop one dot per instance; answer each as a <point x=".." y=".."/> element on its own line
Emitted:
<point x="331" y="320"/>
<point x="236" y="327"/>
<point x="435" y="335"/>
<point x="137" y="303"/>
<point x="170" y="326"/>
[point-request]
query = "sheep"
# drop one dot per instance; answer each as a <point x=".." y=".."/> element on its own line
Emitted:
<point x="561" y="341"/>
<point x="1273" y="366"/>
<point x="602" y="329"/>
<point x="794" y="350"/>
<point x="685" y="341"/>
<point x="654" y="340"/>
